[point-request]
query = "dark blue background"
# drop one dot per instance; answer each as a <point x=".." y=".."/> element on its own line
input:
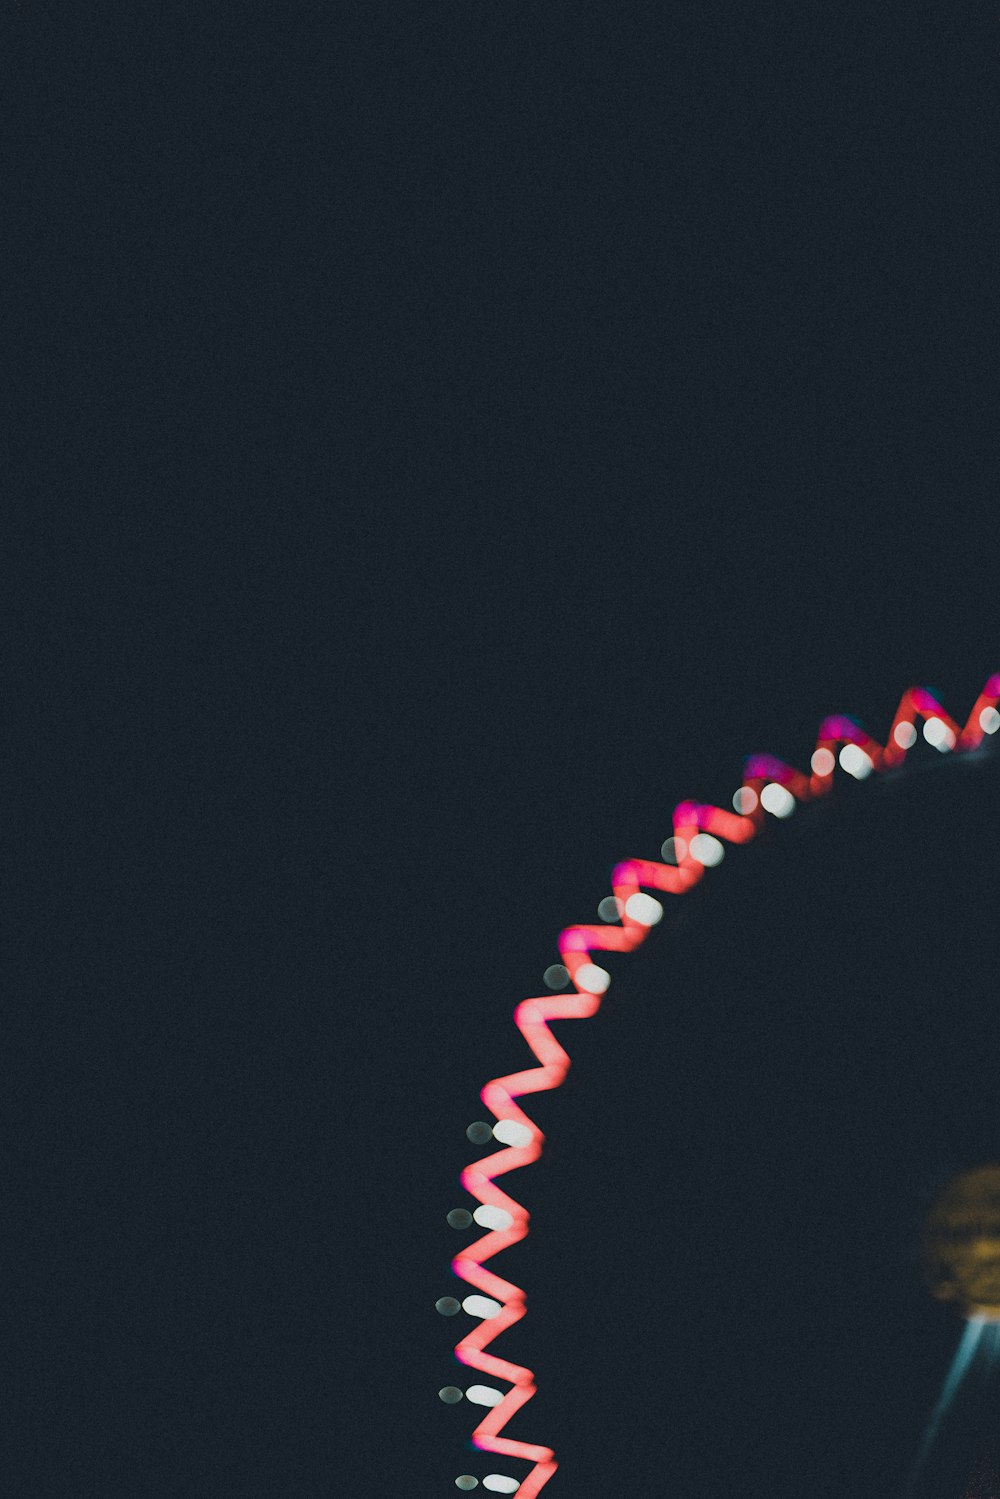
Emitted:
<point x="439" y="439"/>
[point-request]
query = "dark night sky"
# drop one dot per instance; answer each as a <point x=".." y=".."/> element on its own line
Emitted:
<point x="439" y="438"/>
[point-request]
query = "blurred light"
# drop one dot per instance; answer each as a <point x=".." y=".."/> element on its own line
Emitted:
<point x="961" y="1244"/>
<point x="905" y="734"/>
<point x="964" y="1355"/>
<point x="644" y="908"/>
<point x="509" y="1132"/>
<point x="576" y="943"/>
<point x="481" y="1306"/>
<point x="856" y="762"/>
<point x="479" y="1132"/>
<point x="777" y="800"/>
<point x="501" y="1485"/>
<point x="610" y="908"/>
<point x="466" y="1482"/>
<point x="707" y="850"/>
<point x="451" y="1395"/>
<point x="595" y="980"/>
<point x="937" y="732"/>
<point x="483" y="1394"/>
<point x="448" y="1306"/>
<point x="491" y="1217"/>
<point x="823" y="762"/>
<point x="459" y="1218"/>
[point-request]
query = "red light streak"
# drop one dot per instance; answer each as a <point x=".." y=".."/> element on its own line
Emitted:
<point x="532" y="1017"/>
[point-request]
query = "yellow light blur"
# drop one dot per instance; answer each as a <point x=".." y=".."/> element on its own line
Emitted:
<point x="961" y="1244"/>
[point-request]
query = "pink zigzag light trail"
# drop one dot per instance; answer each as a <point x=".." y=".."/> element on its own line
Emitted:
<point x="576" y="944"/>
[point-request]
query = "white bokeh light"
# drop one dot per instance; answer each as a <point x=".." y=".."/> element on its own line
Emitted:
<point x="905" y="734"/>
<point x="481" y="1306"/>
<point x="501" y="1485"/>
<point x="483" y="1394"/>
<point x="822" y="762"/>
<point x="937" y="732"/>
<point x="674" y="850"/>
<point x="488" y="1216"/>
<point x="509" y="1132"/>
<point x="707" y="850"/>
<point x="595" y="980"/>
<point x="856" y="762"/>
<point x="644" y="908"/>
<point x="745" y="801"/>
<point x="989" y="720"/>
<point x="777" y="800"/>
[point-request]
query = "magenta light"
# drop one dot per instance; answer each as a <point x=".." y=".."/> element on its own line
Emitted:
<point x="577" y="944"/>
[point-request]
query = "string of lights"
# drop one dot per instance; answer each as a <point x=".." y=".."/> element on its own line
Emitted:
<point x="700" y="833"/>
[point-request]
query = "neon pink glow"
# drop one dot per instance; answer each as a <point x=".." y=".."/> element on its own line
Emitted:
<point x="532" y="1017"/>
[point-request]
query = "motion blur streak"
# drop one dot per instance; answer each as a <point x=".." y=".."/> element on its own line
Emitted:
<point x="576" y="945"/>
<point x="976" y="1330"/>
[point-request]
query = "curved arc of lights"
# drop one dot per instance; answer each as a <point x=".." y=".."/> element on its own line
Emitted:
<point x="576" y="946"/>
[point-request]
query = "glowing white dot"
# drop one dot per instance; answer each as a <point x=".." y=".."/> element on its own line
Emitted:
<point x="501" y="1485"/>
<point x="481" y="1306"/>
<point x="937" y="732"/>
<point x="447" y="1306"/>
<point x="644" y="908"/>
<point x="610" y="908"/>
<point x="674" y="850"/>
<point x="451" y="1395"/>
<point x="777" y="800"/>
<point x="595" y="980"/>
<point x="904" y="734"/>
<point x="707" y="850"/>
<point x="479" y="1132"/>
<point x="556" y="976"/>
<point x="989" y="720"/>
<point x="466" y="1482"/>
<point x="459" y="1218"/>
<point x="745" y="800"/>
<point x="509" y="1132"/>
<point x="483" y="1394"/>
<point x="856" y="762"/>
<point x="823" y="762"/>
<point x="488" y="1216"/>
